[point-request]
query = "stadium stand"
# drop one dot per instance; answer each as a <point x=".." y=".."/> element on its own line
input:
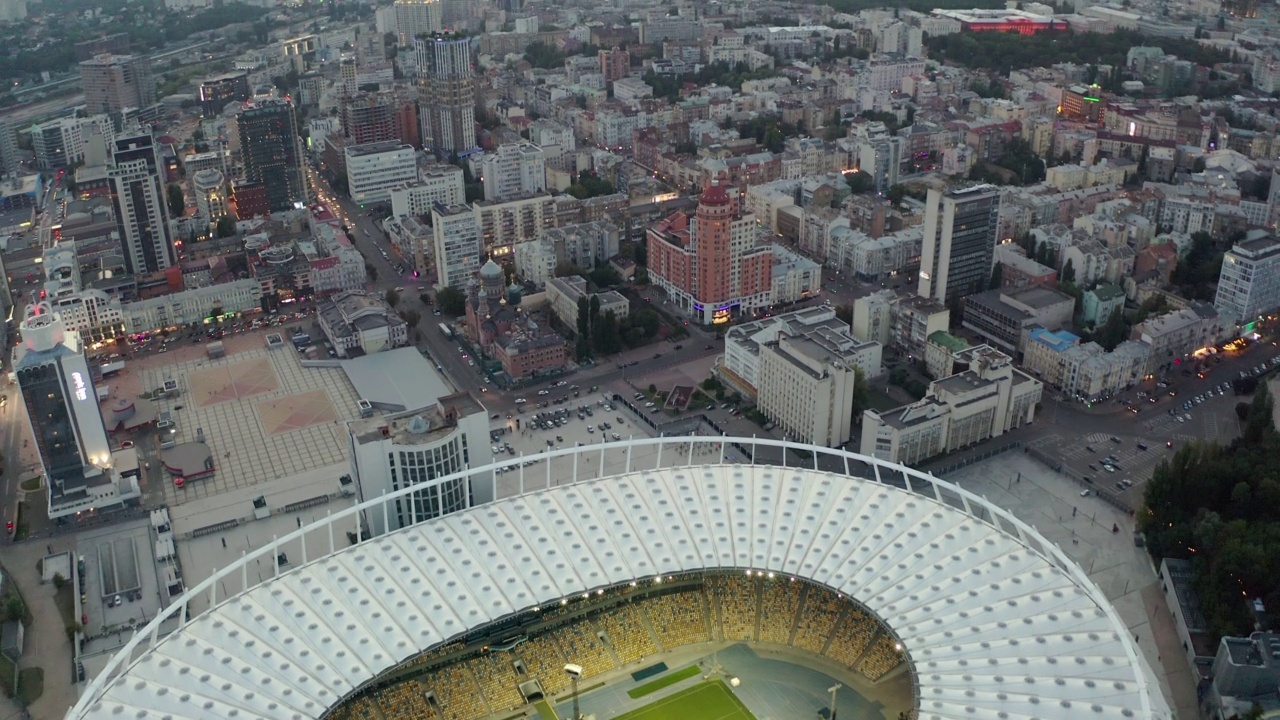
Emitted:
<point x="733" y="606"/>
<point x="854" y="633"/>
<point x="778" y="604"/>
<point x="542" y="655"/>
<point x="579" y="642"/>
<point x="627" y="632"/>
<point x="456" y="692"/>
<point x="679" y="618"/>
<point x="881" y="657"/>
<point x="403" y="701"/>
<point x="737" y="596"/>
<point x="498" y="680"/>
<point x="818" y="619"/>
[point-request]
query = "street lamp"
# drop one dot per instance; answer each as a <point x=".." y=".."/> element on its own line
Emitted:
<point x="833" y="690"/>
<point x="574" y="672"/>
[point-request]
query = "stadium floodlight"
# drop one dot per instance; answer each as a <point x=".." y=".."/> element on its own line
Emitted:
<point x="574" y="672"/>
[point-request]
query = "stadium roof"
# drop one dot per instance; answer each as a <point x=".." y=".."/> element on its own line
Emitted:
<point x="996" y="622"/>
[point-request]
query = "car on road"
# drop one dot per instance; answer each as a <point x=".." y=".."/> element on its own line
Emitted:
<point x="1084" y="492"/>
<point x="1115" y="439"/>
<point x="657" y="355"/>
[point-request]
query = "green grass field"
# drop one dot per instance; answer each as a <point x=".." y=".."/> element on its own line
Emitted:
<point x="706" y="701"/>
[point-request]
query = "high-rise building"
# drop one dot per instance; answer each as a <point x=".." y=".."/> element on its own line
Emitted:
<point x="10" y="156"/>
<point x="447" y="99"/>
<point x="377" y="117"/>
<point x="1250" y="281"/>
<point x="456" y="231"/>
<point x="217" y="91"/>
<point x="210" y="188"/>
<point x="114" y="82"/>
<point x="269" y="151"/>
<point x="961" y="228"/>
<point x="415" y="18"/>
<point x="515" y="169"/>
<point x="138" y="193"/>
<point x="53" y="377"/>
<point x="373" y="169"/>
<point x="711" y="265"/>
<point x="13" y="10"/>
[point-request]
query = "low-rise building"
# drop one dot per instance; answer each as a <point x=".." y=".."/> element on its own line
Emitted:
<point x="192" y="305"/>
<point x="940" y="352"/>
<point x="794" y="277"/>
<point x="1007" y="318"/>
<point x="564" y="293"/>
<point x="1177" y="334"/>
<point x="524" y="355"/>
<point x="985" y="400"/>
<point x="1098" y="304"/>
<point x="358" y="323"/>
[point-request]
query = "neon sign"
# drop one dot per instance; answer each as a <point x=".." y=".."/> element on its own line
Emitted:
<point x="78" y="380"/>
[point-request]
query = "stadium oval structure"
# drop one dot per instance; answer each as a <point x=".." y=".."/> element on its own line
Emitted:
<point x="994" y="620"/>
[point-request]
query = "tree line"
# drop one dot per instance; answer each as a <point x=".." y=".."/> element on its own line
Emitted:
<point x="1216" y="506"/>
<point x="1002" y="52"/>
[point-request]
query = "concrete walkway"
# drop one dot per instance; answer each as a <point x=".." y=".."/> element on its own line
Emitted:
<point x="46" y="645"/>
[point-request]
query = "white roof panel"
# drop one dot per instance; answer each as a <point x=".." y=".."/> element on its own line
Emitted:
<point x="993" y="626"/>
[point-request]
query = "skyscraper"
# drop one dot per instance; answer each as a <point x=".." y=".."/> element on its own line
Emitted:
<point x="960" y="234"/>
<point x="415" y="18"/>
<point x="115" y="82"/>
<point x="269" y="151"/>
<point x="447" y="97"/>
<point x="10" y="157"/>
<point x="62" y="408"/>
<point x="142" y="214"/>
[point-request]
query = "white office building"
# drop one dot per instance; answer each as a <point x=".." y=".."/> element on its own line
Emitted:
<point x="456" y="231"/>
<point x="742" y="368"/>
<point x="420" y="430"/>
<point x="514" y="170"/>
<point x="210" y="189"/>
<point x="1249" y="285"/>
<point x="807" y="380"/>
<point x="985" y="400"/>
<point x="435" y="184"/>
<point x="374" y="169"/>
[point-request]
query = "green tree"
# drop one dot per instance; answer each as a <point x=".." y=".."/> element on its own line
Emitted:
<point x="1069" y="271"/>
<point x="861" y="394"/>
<point x="451" y="301"/>
<point x="605" y="334"/>
<point x="14" y="609"/>
<point x="997" y="277"/>
<point x="1113" y="331"/>
<point x="225" y="227"/>
<point x="392" y="297"/>
<point x="860" y="182"/>
<point x="844" y="313"/>
<point x="177" y="201"/>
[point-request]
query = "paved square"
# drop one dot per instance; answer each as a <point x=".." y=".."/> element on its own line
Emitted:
<point x="277" y="419"/>
<point x="297" y="411"/>
<point x="232" y="381"/>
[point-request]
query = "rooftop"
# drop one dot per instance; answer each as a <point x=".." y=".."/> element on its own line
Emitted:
<point x="396" y="380"/>
<point x="498" y="560"/>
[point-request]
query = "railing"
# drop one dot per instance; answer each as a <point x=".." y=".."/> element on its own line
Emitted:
<point x="672" y="452"/>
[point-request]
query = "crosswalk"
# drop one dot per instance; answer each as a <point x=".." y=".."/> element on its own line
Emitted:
<point x="1211" y="425"/>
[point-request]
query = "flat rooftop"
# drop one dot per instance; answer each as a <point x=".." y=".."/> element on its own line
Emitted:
<point x="396" y="380"/>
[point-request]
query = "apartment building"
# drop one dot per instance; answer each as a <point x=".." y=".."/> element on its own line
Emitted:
<point x="1249" y="285"/>
<point x="514" y="170"/>
<point x="374" y="169"/>
<point x="457" y="244"/>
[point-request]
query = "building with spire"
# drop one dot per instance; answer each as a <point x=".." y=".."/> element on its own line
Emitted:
<point x="712" y="265"/>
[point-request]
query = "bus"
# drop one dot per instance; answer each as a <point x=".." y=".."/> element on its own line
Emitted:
<point x="446" y="331"/>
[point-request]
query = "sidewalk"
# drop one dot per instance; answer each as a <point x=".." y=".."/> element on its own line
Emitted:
<point x="46" y="644"/>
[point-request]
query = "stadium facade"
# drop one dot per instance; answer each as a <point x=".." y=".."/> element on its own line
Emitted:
<point x="991" y="619"/>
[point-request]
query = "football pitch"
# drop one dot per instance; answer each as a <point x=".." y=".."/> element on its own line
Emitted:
<point x="705" y="701"/>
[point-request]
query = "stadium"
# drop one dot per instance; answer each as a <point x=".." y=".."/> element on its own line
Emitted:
<point x="881" y="575"/>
